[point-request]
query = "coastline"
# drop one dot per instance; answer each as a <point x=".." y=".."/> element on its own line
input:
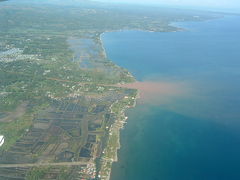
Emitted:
<point x="99" y="38"/>
<point x="110" y="152"/>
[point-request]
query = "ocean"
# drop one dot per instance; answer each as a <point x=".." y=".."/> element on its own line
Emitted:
<point x="193" y="135"/>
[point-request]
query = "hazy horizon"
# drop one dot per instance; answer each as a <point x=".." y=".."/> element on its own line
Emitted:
<point x="231" y="6"/>
<point x="214" y="4"/>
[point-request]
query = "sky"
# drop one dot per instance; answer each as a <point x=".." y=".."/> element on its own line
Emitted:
<point x="221" y="4"/>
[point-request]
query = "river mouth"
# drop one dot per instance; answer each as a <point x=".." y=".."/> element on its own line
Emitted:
<point x="156" y="93"/>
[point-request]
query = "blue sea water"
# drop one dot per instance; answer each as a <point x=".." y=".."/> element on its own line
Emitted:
<point x="196" y="136"/>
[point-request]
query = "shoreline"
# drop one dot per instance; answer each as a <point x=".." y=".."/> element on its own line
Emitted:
<point x="110" y="152"/>
<point x="118" y="124"/>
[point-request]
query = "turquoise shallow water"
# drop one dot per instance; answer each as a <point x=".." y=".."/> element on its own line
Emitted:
<point x="195" y="136"/>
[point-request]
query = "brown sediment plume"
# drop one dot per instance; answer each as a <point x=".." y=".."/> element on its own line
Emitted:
<point x="157" y="92"/>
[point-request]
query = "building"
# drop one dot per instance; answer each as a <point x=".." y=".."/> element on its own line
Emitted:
<point x="1" y="140"/>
